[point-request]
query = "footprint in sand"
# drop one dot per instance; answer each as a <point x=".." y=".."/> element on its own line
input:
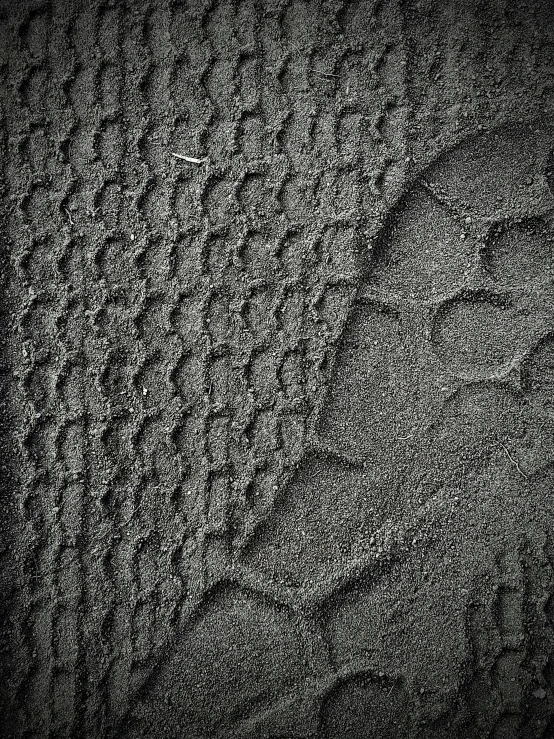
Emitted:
<point x="427" y="378"/>
<point x="446" y="361"/>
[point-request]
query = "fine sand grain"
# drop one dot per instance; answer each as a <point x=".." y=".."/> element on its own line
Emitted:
<point x="277" y="369"/>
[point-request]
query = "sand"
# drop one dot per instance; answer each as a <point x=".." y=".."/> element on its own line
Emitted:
<point x="277" y="365"/>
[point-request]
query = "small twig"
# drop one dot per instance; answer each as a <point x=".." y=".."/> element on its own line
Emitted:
<point x="71" y="221"/>
<point x="513" y="461"/>
<point x="191" y="160"/>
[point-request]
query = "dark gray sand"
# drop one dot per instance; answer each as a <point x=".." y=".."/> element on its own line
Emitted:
<point x="277" y="369"/>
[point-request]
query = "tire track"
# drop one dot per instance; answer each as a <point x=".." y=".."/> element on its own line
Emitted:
<point x="177" y="323"/>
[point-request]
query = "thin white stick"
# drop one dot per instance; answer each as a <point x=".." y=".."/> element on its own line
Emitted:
<point x="192" y="160"/>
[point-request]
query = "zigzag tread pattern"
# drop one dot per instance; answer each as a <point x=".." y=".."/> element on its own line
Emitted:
<point x="170" y="328"/>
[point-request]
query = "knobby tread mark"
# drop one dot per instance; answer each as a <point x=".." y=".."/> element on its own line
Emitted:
<point x="100" y="445"/>
<point x="176" y="323"/>
<point x="511" y="639"/>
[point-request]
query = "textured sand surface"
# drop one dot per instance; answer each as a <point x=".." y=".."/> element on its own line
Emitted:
<point x="277" y="369"/>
